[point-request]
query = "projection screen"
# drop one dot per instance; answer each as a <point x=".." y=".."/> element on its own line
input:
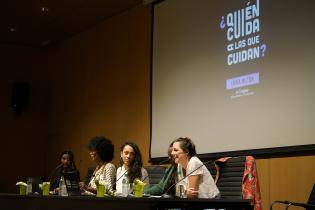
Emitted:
<point x="233" y="75"/>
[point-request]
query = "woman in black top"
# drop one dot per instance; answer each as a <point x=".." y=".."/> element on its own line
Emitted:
<point x="67" y="164"/>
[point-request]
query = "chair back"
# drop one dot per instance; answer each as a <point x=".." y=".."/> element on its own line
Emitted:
<point x="89" y="175"/>
<point x="211" y="167"/>
<point x="231" y="177"/>
<point x="155" y="173"/>
<point x="311" y="199"/>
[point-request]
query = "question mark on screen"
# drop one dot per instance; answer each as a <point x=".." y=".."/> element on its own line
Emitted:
<point x="263" y="48"/>
<point x="222" y="24"/>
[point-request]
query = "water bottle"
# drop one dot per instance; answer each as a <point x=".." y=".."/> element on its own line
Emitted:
<point x="62" y="187"/>
<point x="179" y="188"/>
<point x="125" y="187"/>
<point x="29" y="186"/>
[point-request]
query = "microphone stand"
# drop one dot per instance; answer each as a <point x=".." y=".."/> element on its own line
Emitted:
<point x="122" y="174"/>
<point x="53" y="171"/>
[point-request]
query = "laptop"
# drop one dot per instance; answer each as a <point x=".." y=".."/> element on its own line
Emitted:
<point x="72" y="183"/>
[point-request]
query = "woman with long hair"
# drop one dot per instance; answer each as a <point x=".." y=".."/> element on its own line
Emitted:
<point x="67" y="164"/>
<point x="194" y="175"/>
<point x="130" y="166"/>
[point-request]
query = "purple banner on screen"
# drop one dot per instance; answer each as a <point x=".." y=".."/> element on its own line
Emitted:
<point x="242" y="81"/>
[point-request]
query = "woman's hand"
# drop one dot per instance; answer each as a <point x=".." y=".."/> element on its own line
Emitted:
<point x="192" y="193"/>
<point x="55" y="191"/>
<point x="83" y="186"/>
<point x="193" y="186"/>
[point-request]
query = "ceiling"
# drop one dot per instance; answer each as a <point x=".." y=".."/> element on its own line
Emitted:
<point x="39" y="23"/>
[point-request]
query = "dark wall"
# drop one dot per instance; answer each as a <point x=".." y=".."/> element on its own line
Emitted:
<point x="23" y="133"/>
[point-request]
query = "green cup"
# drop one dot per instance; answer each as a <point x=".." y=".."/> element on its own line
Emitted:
<point x="138" y="189"/>
<point x="100" y="190"/>
<point x="22" y="190"/>
<point x="45" y="188"/>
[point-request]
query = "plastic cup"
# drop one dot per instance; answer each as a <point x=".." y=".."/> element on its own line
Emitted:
<point x="138" y="190"/>
<point x="45" y="188"/>
<point x="22" y="190"/>
<point x="100" y="190"/>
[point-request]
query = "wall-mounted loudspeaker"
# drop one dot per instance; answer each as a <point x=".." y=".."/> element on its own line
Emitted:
<point x="20" y="96"/>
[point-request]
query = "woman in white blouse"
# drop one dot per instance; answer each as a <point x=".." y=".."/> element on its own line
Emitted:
<point x="131" y="166"/>
<point x="194" y="175"/>
<point x="101" y="152"/>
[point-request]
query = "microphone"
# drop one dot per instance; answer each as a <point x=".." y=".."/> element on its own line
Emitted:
<point x="164" y="161"/>
<point x="165" y="195"/>
<point x="122" y="175"/>
<point x="296" y="204"/>
<point x="53" y="171"/>
<point x="289" y="203"/>
<point x="156" y="166"/>
<point x="73" y="173"/>
<point x="143" y="179"/>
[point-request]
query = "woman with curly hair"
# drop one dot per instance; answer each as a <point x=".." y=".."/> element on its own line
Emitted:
<point x="131" y="166"/>
<point x="101" y="152"/>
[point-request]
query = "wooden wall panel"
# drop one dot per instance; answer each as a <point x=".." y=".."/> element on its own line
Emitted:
<point x="263" y="168"/>
<point x="292" y="178"/>
<point x="101" y="87"/>
<point x="22" y="136"/>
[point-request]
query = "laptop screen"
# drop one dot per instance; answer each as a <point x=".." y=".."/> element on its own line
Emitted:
<point x="72" y="182"/>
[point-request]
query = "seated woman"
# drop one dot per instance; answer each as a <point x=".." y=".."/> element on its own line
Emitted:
<point x="195" y="176"/>
<point x="101" y="152"/>
<point x="131" y="166"/>
<point x="67" y="164"/>
<point x="167" y="183"/>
